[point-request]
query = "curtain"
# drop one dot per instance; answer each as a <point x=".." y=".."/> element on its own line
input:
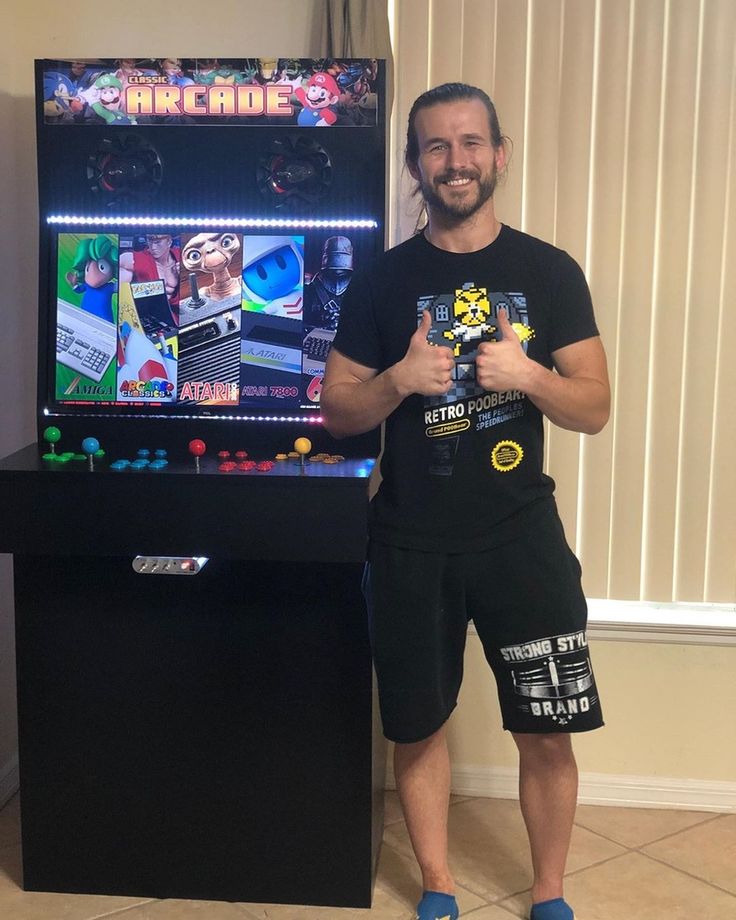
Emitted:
<point x="358" y="29"/>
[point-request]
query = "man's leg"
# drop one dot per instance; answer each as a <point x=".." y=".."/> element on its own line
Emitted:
<point x="548" y="788"/>
<point x="422" y="771"/>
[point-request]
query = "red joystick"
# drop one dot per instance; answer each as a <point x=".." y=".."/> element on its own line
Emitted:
<point x="197" y="448"/>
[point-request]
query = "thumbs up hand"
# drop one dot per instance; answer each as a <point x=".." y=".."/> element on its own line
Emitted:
<point x="502" y="365"/>
<point x="425" y="369"/>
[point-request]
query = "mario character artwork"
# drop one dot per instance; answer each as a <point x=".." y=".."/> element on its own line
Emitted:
<point x="318" y="100"/>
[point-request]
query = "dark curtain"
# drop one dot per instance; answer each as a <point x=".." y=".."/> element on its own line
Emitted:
<point x="358" y="29"/>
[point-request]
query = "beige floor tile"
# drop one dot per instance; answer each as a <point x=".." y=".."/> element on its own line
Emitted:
<point x="489" y="850"/>
<point x="393" y="806"/>
<point x="399" y="878"/>
<point x="16" y="904"/>
<point x="172" y="909"/>
<point x="10" y="823"/>
<point x="635" y="827"/>
<point x="634" y="887"/>
<point x="708" y="851"/>
<point x="397" y="890"/>
<point x="491" y="913"/>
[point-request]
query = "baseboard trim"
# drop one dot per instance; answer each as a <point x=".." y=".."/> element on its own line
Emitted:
<point x="9" y="779"/>
<point x="622" y="790"/>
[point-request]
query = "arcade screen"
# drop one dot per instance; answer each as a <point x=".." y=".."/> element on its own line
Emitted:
<point x="198" y="321"/>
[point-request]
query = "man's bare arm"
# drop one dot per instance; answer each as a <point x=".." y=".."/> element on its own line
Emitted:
<point x="356" y="398"/>
<point x="577" y="397"/>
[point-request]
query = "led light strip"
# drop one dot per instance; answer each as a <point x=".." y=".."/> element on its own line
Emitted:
<point x="255" y="222"/>
<point x="303" y="419"/>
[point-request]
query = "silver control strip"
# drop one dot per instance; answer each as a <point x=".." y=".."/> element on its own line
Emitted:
<point x="169" y="565"/>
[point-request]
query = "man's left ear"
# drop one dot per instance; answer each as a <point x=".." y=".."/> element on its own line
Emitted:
<point x="500" y="156"/>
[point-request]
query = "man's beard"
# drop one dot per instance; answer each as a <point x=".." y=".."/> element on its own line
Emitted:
<point x="465" y="207"/>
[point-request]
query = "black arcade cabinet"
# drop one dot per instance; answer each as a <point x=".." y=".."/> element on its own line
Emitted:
<point x="197" y="716"/>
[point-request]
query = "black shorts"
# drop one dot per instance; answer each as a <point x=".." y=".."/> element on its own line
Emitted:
<point x="529" y="611"/>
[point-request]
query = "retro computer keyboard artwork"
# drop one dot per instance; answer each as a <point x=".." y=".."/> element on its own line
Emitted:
<point x="84" y="342"/>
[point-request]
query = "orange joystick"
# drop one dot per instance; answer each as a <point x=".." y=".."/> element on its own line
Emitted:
<point x="302" y="446"/>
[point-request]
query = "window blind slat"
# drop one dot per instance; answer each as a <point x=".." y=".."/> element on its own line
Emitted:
<point x="622" y="116"/>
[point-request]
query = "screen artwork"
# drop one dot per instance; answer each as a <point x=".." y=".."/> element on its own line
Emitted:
<point x="206" y="319"/>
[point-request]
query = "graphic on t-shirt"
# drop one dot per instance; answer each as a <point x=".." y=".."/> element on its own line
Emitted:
<point x="464" y="319"/>
<point x="461" y="320"/>
<point x="506" y="456"/>
<point x="554" y="675"/>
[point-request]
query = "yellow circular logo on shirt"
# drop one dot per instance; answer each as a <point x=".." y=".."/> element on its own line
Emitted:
<point x="506" y="456"/>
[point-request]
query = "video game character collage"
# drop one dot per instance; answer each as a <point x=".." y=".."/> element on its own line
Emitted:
<point x="130" y="91"/>
<point x="221" y="318"/>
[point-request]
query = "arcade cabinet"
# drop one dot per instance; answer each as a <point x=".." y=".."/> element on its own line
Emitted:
<point x="197" y="715"/>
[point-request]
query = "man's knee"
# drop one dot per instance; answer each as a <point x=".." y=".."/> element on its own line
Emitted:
<point x="548" y="750"/>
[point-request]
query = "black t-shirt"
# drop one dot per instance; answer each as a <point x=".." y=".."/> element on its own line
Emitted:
<point x="463" y="471"/>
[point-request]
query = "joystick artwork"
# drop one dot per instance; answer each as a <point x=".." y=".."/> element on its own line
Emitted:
<point x="212" y="254"/>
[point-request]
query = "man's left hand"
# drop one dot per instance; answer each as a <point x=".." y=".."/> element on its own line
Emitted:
<point x="502" y="365"/>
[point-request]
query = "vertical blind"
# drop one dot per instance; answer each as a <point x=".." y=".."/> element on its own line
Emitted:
<point x="622" y="115"/>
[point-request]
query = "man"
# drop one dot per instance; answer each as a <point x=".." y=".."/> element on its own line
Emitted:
<point x="159" y="260"/>
<point x="461" y="339"/>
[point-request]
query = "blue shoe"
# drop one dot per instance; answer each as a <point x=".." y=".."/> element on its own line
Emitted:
<point x="436" y="905"/>
<point x="556" y="909"/>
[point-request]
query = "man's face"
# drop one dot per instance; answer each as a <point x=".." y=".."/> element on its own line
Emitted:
<point x="159" y="246"/>
<point x="457" y="167"/>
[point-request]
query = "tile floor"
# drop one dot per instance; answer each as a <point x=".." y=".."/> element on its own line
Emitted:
<point x="625" y="864"/>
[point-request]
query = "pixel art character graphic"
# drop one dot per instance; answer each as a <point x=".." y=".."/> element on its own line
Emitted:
<point x="471" y="310"/>
<point x="464" y="319"/>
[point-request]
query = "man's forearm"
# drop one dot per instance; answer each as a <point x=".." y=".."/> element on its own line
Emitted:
<point x="576" y="403"/>
<point x="356" y="407"/>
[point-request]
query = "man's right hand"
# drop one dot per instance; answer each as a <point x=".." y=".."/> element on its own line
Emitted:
<point x="356" y="398"/>
<point x="425" y="369"/>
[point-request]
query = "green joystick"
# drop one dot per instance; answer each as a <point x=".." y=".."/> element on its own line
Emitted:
<point x="51" y="435"/>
